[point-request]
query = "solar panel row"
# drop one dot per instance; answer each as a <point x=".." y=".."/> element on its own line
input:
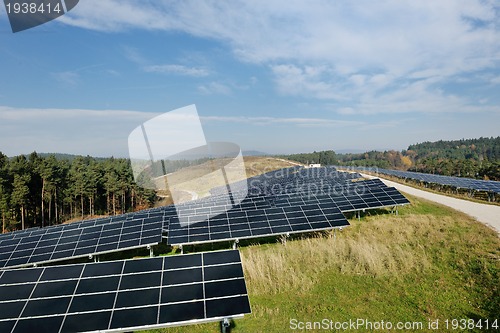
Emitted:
<point x="124" y="295"/>
<point x="32" y="248"/>
<point x="214" y="206"/>
<point x="82" y="224"/>
<point x="273" y="186"/>
<point x="270" y="182"/>
<point x="457" y="182"/>
<point x="211" y="205"/>
<point x="256" y="223"/>
<point x="202" y="220"/>
<point x="371" y="199"/>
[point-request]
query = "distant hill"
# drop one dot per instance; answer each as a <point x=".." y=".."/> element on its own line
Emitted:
<point x="68" y="157"/>
<point x="476" y="149"/>
<point x="474" y="158"/>
<point x="254" y="153"/>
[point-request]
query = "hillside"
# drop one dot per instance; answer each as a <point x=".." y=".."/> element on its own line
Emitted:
<point x="482" y="149"/>
<point x="474" y="158"/>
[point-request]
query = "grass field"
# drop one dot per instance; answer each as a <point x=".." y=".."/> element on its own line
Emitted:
<point x="429" y="262"/>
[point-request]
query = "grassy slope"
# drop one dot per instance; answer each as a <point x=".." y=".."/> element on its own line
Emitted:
<point x="428" y="262"/>
<point x="254" y="165"/>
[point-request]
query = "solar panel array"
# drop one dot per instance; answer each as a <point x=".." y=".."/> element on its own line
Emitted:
<point x="210" y="219"/>
<point x="290" y="180"/>
<point x="349" y="201"/>
<point x="457" y="182"/>
<point x="155" y="212"/>
<point x="124" y="295"/>
<point x="78" y="240"/>
<point x="173" y="290"/>
<point x="288" y="201"/>
<point x="257" y="223"/>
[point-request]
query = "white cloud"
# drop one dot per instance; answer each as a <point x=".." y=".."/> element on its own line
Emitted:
<point x="307" y="81"/>
<point x="495" y="80"/>
<point x="299" y="122"/>
<point x="78" y="131"/>
<point x="177" y="69"/>
<point x="214" y="88"/>
<point x="350" y="34"/>
<point x="350" y="51"/>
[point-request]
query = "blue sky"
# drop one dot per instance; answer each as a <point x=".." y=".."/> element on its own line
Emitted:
<point x="273" y="76"/>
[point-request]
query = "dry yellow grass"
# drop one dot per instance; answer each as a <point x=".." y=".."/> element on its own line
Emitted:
<point x="254" y="166"/>
<point x="394" y="245"/>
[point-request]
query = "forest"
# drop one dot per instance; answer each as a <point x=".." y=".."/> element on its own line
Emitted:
<point x="42" y="190"/>
<point x="474" y="158"/>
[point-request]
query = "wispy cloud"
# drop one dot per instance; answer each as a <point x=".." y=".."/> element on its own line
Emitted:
<point x="214" y="88"/>
<point x="79" y="131"/>
<point x="134" y="55"/>
<point x="353" y="52"/>
<point x="177" y="69"/>
<point x="270" y="121"/>
<point x="70" y="78"/>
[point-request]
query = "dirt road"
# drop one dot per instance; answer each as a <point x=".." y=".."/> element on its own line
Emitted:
<point x="487" y="214"/>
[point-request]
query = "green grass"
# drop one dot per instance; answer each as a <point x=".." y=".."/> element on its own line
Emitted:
<point x="429" y="262"/>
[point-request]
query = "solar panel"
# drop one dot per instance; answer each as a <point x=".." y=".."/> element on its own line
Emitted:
<point x="277" y="181"/>
<point x="219" y="205"/>
<point x="82" y="224"/>
<point x="124" y="295"/>
<point x="56" y="244"/>
<point x="233" y="225"/>
<point x="457" y="182"/>
<point x="369" y="198"/>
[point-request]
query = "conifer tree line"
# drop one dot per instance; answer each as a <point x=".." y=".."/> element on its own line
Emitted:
<point x="43" y="190"/>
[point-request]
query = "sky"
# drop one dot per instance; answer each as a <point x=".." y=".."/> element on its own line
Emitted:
<point x="272" y="76"/>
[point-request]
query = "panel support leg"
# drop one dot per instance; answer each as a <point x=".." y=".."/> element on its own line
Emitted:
<point x="225" y="325"/>
<point x="235" y="244"/>
<point x="284" y="238"/>
<point x="151" y="254"/>
<point x="182" y="250"/>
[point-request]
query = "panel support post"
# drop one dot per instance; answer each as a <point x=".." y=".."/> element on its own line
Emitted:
<point x="151" y="254"/>
<point x="182" y="250"/>
<point x="225" y="325"/>
<point x="235" y="244"/>
<point x="284" y="238"/>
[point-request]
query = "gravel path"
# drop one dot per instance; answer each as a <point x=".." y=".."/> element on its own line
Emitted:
<point x="487" y="214"/>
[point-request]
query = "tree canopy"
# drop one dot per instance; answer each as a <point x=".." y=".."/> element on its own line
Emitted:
<point x="42" y="190"/>
<point x="474" y="158"/>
